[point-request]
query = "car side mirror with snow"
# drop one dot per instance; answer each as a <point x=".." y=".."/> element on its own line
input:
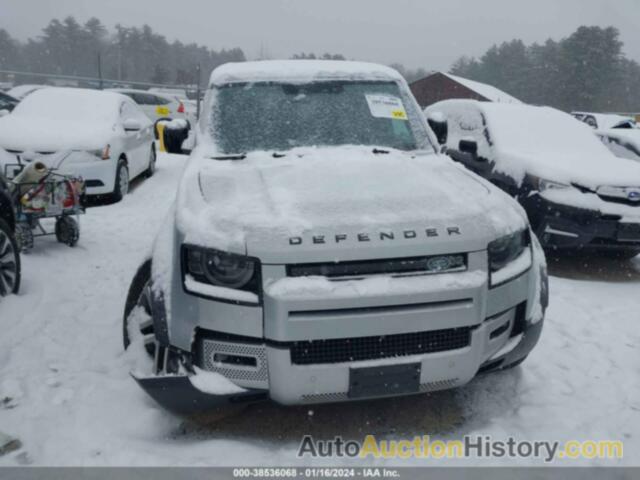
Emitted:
<point x="132" y="125"/>
<point x="468" y="146"/>
<point x="439" y="125"/>
<point x="4" y="112"/>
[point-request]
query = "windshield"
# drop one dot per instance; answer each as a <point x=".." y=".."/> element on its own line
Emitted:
<point x="277" y="117"/>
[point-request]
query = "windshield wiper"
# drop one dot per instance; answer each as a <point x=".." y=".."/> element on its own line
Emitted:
<point x="380" y="151"/>
<point x="239" y="156"/>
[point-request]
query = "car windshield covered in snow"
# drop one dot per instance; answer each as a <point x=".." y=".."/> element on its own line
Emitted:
<point x="279" y="116"/>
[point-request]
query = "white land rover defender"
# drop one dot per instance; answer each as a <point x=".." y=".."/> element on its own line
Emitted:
<point x="320" y="250"/>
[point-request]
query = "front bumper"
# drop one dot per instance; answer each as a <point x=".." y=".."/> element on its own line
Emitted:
<point x="99" y="175"/>
<point x="308" y="356"/>
<point x="561" y="226"/>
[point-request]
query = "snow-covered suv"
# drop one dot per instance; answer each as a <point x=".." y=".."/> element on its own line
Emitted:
<point x="578" y="195"/>
<point x="321" y="251"/>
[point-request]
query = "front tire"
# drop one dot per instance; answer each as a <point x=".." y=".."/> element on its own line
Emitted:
<point x="151" y="169"/>
<point x="67" y="231"/>
<point x="9" y="261"/>
<point x="122" y="181"/>
<point x="137" y="318"/>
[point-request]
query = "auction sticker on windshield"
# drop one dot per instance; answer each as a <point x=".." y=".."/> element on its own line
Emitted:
<point x="386" y="106"/>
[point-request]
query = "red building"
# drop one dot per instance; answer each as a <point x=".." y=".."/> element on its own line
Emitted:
<point x="443" y="86"/>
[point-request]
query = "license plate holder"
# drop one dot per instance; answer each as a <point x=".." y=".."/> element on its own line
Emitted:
<point x="629" y="232"/>
<point x="384" y="380"/>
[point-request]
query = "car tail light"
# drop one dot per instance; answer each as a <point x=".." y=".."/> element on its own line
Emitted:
<point x="181" y="108"/>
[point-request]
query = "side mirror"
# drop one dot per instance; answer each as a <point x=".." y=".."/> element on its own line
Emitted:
<point x="132" y="125"/>
<point x="440" y="127"/>
<point x="4" y="112"/>
<point x="468" y="146"/>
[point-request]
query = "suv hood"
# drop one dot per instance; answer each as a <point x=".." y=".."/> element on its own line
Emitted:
<point x="341" y="203"/>
<point x="25" y="133"/>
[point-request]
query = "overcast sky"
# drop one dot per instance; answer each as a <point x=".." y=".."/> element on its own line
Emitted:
<point x="418" y="33"/>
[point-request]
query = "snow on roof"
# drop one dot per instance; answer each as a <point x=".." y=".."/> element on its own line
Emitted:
<point x="300" y="71"/>
<point x="70" y="104"/>
<point x="487" y="91"/>
<point x="22" y="91"/>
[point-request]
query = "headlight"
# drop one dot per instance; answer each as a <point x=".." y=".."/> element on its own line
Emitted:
<point x="221" y="269"/>
<point x="544" y="185"/>
<point x="503" y="254"/>
<point x="102" y="153"/>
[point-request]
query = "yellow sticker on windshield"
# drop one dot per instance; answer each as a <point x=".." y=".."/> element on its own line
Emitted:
<point x="160" y="110"/>
<point x="386" y="106"/>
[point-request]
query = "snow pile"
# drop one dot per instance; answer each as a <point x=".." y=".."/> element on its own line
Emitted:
<point x="213" y="383"/>
<point x="301" y="71"/>
<point x="487" y="91"/>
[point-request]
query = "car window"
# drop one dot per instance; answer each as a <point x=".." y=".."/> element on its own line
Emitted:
<point x="591" y="121"/>
<point x="621" y="148"/>
<point x="131" y="110"/>
<point x="161" y="101"/>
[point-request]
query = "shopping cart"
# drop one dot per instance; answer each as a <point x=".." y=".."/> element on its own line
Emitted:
<point x="40" y="193"/>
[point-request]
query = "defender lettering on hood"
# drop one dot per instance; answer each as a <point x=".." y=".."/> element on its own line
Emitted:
<point x="380" y="236"/>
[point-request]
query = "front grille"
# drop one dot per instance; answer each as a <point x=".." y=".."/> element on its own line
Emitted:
<point x="393" y="266"/>
<point x="371" y="348"/>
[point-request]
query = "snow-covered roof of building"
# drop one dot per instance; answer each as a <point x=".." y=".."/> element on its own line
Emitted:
<point x="487" y="91"/>
<point x="300" y="71"/>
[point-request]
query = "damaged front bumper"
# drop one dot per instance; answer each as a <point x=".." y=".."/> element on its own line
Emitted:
<point x="178" y="392"/>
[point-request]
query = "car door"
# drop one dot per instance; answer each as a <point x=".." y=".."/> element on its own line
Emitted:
<point x="136" y="143"/>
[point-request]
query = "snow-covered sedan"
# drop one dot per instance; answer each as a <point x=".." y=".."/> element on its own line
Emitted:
<point x="577" y="194"/>
<point x="320" y="250"/>
<point x="116" y="135"/>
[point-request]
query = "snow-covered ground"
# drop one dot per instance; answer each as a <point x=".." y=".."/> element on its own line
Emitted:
<point x="65" y="391"/>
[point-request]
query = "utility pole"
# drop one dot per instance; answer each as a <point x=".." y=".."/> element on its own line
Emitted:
<point x="198" y="68"/>
<point x="100" y="71"/>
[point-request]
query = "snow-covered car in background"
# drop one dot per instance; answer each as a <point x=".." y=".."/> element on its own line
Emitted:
<point x="156" y="105"/>
<point x="605" y="121"/>
<point x="116" y="135"/>
<point x="9" y="251"/>
<point x="320" y="250"/>
<point x="577" y="194"/>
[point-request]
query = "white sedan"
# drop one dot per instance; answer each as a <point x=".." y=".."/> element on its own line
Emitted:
<point x="115" y="135"/>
